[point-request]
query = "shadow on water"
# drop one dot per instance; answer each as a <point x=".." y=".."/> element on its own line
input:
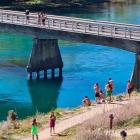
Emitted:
<point x="44" y="94"/>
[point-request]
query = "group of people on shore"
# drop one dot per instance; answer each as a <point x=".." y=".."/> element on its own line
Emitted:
<point x="41" y="17"/>
<point x="102" y="97"/>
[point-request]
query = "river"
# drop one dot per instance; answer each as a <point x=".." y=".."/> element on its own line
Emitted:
<point x="84" y="64"/>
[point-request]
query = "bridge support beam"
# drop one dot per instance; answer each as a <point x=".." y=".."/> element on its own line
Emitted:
<point x="45" y="55"/>
<point x="136" y="73"/>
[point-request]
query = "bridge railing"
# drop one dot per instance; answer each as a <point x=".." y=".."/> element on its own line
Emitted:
<point x="70" y="24"/>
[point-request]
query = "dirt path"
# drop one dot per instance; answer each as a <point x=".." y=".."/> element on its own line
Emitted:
<point x="80" y="118"/>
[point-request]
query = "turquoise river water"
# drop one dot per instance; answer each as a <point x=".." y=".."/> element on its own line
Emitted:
<point x="84" y="64"/>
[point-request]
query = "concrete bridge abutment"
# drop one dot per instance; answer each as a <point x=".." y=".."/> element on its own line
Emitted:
<point x="45" y="55"/>
<point x="136" y="73"/>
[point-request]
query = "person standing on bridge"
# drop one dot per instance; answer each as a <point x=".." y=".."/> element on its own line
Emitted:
<point x="27" y="16"/>
<point x="43" y="18"/>
<point x="39" y="18"/>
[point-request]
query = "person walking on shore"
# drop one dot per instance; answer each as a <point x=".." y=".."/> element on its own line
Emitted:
<point x="52" y="123"/>
<point x="34" y="129"/>
<point x="97" y="92"/>
<point x="130" y="88"/>
<point x="108" y="90"/>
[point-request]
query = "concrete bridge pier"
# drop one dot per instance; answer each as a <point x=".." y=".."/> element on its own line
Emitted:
<point x="136" y="73"/>
<point x="45" y="55"/>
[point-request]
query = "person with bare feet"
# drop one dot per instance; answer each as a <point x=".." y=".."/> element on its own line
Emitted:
<point x="52" y="123"/>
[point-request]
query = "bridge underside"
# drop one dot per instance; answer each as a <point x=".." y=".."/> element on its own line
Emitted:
<point x="35" y="32"/>
<point x="46" y="35"/>
<point x="45" y="55"/>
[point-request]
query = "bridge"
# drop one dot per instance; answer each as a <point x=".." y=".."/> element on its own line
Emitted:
<point x="45" y="53"/>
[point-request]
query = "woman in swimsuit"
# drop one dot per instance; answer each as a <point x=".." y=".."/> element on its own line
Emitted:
<point x="52" y="123"/>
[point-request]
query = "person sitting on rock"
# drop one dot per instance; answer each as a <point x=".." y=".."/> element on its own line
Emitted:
<point x="86" y="101"/>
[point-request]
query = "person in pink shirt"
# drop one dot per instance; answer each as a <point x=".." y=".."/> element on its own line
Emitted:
<point x="52" y="123"/>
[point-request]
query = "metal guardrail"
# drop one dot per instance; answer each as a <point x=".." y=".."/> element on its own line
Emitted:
<point x="70" y="24"/>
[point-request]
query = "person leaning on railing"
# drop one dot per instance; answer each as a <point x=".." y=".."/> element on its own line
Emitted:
<point x="43" y="18"/>
<point x="27" y="12"/>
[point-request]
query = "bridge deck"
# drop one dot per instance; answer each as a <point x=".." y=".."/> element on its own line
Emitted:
<point x="76" y="25"/>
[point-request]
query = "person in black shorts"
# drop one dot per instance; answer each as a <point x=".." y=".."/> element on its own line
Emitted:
<point x="130" y="88"/>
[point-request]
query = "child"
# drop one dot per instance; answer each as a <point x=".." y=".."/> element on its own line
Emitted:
<point x="52" y="123"/>
<point x="34" y="129"/>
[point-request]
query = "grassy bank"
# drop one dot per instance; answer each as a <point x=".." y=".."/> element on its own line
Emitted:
<point x="25" y="124"/>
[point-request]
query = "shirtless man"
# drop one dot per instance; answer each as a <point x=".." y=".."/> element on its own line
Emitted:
<point x="130" y="88"/>
<point x="97" y="92"/>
